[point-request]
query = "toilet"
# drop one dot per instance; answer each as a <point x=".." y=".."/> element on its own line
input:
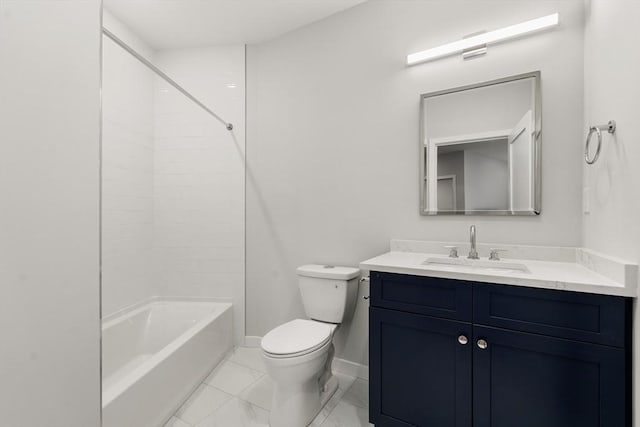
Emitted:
<point x="298" y="354"/>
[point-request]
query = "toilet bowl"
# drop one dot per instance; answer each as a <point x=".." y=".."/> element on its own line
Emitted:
<point x="298" y="354"/>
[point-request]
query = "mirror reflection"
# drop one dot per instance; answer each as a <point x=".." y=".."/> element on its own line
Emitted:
<point x="479" y="148"/>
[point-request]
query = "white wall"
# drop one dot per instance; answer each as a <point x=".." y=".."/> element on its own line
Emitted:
<point x="199" y="177"/>
<point x="49" y="229"/>
<point x="612" y="89"/>
<point x="333" y="140"/>
<point x="127" y="171"/>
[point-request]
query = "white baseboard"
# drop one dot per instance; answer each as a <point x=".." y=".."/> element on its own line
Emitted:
<point x="352" y="369"/>
<point x="250" y="341"/>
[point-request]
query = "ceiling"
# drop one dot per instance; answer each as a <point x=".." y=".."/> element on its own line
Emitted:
<point x="166" y="24"/>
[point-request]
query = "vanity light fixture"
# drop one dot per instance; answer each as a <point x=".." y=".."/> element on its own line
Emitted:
<point x="484" y="39"/>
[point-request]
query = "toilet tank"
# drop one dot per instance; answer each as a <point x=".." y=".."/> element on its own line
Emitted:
<point x="328" y="292"/>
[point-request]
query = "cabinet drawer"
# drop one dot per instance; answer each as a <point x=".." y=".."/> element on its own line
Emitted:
<point x="599" y="319"/>
<point x="444" y="298"/>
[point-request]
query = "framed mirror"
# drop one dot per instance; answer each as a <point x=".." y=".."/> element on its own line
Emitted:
<point x="480" y="148"/>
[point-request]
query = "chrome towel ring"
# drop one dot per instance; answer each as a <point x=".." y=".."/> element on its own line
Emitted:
<point x="609" y="127"/>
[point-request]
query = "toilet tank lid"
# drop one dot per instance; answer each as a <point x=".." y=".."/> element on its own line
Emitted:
<point x="328" y="271"/>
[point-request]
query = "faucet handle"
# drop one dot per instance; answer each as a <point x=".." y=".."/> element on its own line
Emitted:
<point x="495" y="254"/>
<point x="453" y="251"/>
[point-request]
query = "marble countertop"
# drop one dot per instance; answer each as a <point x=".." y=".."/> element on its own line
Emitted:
<point x="561" y="275"/>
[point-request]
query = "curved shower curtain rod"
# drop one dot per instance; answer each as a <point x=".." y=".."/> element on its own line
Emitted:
<point x="159" y="72"/>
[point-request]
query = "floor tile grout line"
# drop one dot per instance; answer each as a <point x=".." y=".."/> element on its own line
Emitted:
<point x="235" y="362"/>
<point x="260" y="377"/>
<point x="219" y="389"/>
<point x="241" y="391"/>
<point x="187" y="423"/>
<point x="217" y="410"/>
<point x="244" y="365"/>
<point x="229" y="397"/>
<point x="254" y="404"/>
<point x="250" y="385"/>
<point x="245" y="388"/>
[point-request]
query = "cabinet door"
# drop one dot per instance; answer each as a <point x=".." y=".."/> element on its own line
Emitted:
<point x="529" y="380"/>
<point x="420" y="372"/>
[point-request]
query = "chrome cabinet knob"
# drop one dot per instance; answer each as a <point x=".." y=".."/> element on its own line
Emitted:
<point x="482" y="344"/>
<point x="463" y="340"/>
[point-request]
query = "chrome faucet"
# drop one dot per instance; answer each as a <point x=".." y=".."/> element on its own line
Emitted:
<point x="473" y="253"/>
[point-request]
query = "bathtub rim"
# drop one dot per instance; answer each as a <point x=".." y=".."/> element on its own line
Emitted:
<point x="118" y="388"/>
<point x="135" y="306"/>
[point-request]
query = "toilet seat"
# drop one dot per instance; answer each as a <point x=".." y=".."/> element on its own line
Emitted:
<point x="297" y="338"/>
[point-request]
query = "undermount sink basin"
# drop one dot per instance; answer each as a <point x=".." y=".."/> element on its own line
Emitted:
<point x="465" y="264"/>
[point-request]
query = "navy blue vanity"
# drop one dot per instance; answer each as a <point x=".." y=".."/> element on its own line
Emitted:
<point x="453" y="353"/>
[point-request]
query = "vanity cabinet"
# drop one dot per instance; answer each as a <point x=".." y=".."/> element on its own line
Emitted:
<point x="451" y="353"/>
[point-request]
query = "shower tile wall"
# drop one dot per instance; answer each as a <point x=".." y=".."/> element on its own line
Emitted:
<point x="199" y="177"/>
<point x="173" y="177"/>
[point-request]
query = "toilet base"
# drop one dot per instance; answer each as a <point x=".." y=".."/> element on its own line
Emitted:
<point x="301" y="408"/>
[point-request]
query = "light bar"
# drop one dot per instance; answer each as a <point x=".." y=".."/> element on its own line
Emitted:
<point x="482" y="39"/>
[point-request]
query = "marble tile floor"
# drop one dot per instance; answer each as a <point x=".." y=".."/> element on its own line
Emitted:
<point x="237" y="393"/>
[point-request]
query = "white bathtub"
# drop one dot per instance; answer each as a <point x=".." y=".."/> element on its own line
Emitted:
<point x="155" y="355"/>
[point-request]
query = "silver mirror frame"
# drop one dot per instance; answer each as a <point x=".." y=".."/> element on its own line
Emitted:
<point x="537" y="158"/>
